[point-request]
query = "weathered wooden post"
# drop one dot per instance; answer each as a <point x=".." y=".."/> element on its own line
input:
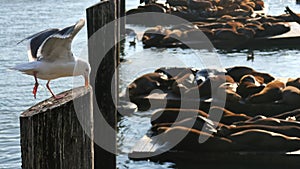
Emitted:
<point x="103" y="56"/>
<point x="52" y="135"/>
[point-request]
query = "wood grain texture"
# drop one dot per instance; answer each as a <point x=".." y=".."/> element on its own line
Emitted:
<point x="52" y="136"/>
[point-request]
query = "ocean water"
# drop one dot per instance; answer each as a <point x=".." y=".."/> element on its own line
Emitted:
<point x="20" y="18"/>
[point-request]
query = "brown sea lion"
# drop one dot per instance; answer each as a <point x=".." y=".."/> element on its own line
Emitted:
<point x="154" y="7"/>
<point x="199" y="123"/>
<point x="248" y="86"/>
<point x="268" y="121"/>
<point x="197" y="34"/>
<point x="259" y="5"/>
<point x="255" y="27"/>
<point x="294" y="113"/>
<point x="271" y="93"/>
<point x="146" y="83"/>
<point x="291" y="131"/>
<point x="235" y="25"/>
<point x="232" y="96"/>
<point x="228" y="34"/>
<point x="214" y="25"/>
<point x="205" y="88"/>
<point x="247" y="32"/>
<point x="291" y="96"/>
<point x="273" y="29"/>
<point x="229" y="117"/>
<point x="174" y="72"/>
<point x="184" y="27"/>
<point x="190" y="140"/>
<point x="184" y="83"/>
<point x="293" y="82"/>
<point x="237" y="72"/>
<point x="241" y="12"/>
<point x="225" y="18"/>
<point x="170" y="115"/>
<point x="263" y="140"/>
<point x="199" y="4"/>
<point x="295" y="16"/>
<point x="153" y="36"/>
<point x="177" y="2"/>
<point x="172" y="37"/>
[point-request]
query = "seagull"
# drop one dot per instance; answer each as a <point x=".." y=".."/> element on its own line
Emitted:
<point x="50" y="56"/>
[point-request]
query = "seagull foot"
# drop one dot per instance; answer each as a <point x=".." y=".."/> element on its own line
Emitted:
<point x="57" y="97"/>
<point x="34" y="91"/>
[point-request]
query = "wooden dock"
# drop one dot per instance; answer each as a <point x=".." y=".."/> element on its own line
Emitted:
<point x="286" y="40"/>
<point x="151" y="148"/>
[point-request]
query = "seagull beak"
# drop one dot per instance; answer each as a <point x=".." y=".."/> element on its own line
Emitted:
<point x="87" y="81"/>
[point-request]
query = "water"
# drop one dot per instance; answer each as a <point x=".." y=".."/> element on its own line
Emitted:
<point x="22" y="18"/>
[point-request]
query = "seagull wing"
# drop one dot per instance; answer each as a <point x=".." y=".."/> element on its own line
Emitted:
<point x="36" y="41"/>
<point x="58" y="45"/>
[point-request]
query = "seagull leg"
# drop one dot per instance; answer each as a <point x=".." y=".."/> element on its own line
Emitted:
<point x="36" y="85"/>
<point x="56" y="97"/>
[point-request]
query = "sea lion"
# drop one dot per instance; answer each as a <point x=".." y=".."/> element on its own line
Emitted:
<point x="248" y="86"/>
<point x="153" y="7"/>
<point x="291" y="96"/>
<point x="234" y="25"/>
<point x="259" y="5"/>
<point x="184" y="83"/>
<point x="268" y="121"/>
<point x="197" y="35"/>
<point x="170" y="115"/>
<point x="228" y="34"/>
<point x="184" y="27"/>
<point x="229" y="117"/>
<point x="255" y="27"/>
<point x="286" y="115"/>
<point x="174" y="72"/>
<point x="291" y="131"/>
<point x="199" y="123"/>
<point x="153" y="36"/>
<point x="247" y="32"/>
<point x="262" y="140"/>
<point x="147" y="1"/>
<point x="203" y="74"/>
<point x="293" y="82"/>
<point x="190" y="140"/>
<point x="237" y="72"/>
<point x="205" y="89"/>
<point x="272" y="29"/>
<point x="177" y="2"/>
<point x="271" y="93"/>
<point x="172" y="37"/>
<point x="295" y="16"/>
<point x="144" y="84"/>
<point x="199" y="4"/>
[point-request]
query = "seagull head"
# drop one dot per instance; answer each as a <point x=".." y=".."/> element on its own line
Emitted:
<point x="83" y="68"/>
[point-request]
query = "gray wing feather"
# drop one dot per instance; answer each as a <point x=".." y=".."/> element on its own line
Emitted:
<point x="58" y="45"/>
<point x="36" y="41"/>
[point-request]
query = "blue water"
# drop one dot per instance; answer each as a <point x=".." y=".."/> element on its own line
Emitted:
<point x="20" y="18"/>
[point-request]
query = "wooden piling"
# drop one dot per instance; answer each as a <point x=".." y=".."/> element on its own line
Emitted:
<point x="52" y="136"/>
<point x="103" y="80"/>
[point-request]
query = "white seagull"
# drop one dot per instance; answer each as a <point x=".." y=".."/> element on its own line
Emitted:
<point x="50" y="56"/>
